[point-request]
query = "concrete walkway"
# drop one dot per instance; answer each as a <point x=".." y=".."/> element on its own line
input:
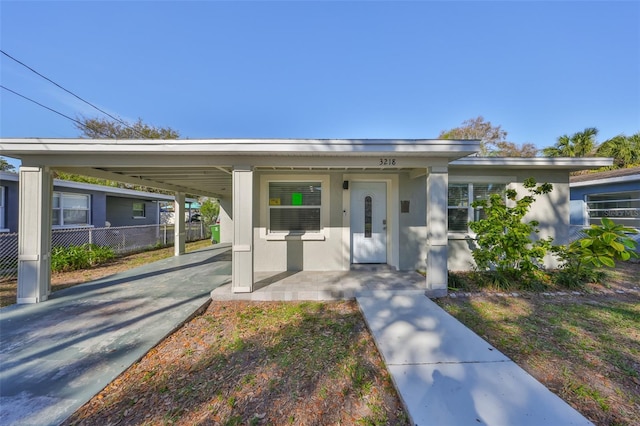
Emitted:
<point x="448" y="375"/>
<point x="55" y="356"/>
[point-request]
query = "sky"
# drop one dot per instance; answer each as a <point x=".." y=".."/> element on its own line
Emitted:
<point x="324" y="69"/>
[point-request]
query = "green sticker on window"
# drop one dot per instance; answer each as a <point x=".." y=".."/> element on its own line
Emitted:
<point x="296" y="198"/>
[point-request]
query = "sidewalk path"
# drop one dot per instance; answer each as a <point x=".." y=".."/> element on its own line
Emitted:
<point x="56" y="355"/>
<point x="448" y="375"/>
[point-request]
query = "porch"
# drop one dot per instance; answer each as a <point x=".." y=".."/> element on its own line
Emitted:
<point x="363" y="280"/>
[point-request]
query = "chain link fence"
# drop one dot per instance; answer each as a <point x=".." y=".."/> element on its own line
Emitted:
<point x="123" y="240"/>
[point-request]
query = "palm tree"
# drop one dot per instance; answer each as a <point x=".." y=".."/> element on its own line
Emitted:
<point x="580" y="144"/>
<point x="625" y="150"/>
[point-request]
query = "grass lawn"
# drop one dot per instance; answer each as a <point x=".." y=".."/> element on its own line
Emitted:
<point x="244" y="363"/>
<point x="585" y="348"/>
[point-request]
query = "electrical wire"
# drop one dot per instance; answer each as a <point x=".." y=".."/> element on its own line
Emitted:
<point x="124" y="123"/>
<point x="50" y="109"/>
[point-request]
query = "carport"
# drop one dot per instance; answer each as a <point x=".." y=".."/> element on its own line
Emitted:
<point x="224" y="169"/>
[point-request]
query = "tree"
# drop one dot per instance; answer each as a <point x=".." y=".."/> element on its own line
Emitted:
<point x="504" y="239"/>
<point x="101" y="128"/>
<point x="5" y="166"/>
<point x="477" y="128"/>
<point x="209" y="210"/>
<point x="510" y="149"/>
<point x="580" y="144"/>
<point x="493" y="140"/>
<point x="625" y="150"/>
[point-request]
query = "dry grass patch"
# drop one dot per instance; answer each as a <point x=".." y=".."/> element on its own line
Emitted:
<point x="247" y="363"/>
<point x="585" y="348"/>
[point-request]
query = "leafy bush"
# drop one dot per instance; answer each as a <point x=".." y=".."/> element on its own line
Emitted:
<point x="601" y="246"/>
<point x="85" y="256"/>
<point x="504" y="239"/>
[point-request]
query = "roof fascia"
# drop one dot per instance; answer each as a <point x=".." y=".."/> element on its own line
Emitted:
<point x="596" y="182"/>
<point x="533" y="162"/>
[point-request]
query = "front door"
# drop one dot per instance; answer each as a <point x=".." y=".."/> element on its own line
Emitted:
<point x="369" y="222"/>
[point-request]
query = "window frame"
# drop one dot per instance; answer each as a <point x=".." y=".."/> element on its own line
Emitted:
<point x="630" y="216"/>
<point x="62" y="209"/>
<point x="471" y="212"/>
<point x="144" y="210"/>
<point x="265" y="209"/>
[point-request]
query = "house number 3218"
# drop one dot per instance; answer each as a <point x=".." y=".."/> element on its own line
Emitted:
<point x="387" y="162"/>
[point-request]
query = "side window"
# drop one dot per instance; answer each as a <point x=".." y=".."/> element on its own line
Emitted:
<point x="295" y="206"/>
<point x="70" y="209"/>
<point x="461" y="196"/>
<point x="139" y="210"/>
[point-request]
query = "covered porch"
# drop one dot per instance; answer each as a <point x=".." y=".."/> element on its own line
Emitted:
<point x="236" y="172"/>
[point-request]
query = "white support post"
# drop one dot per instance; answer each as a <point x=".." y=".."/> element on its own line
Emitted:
<point x="179" y="227"/>
<point x="242" y="264"/>
<point x="437" y="242"/>
<point x="34" y="230"/>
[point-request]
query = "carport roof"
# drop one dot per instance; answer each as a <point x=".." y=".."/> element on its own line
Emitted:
<point x="204" y="166"/>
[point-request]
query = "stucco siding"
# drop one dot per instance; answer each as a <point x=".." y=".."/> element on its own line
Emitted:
<point x="413" y="228"/>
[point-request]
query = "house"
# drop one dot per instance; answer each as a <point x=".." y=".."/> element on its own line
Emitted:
<point x="613" y="193"/>
<point x="292" y="204"/>
<point x="76" y="204"/>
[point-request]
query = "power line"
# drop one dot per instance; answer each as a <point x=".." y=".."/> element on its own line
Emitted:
<point x="72" y="94"/>
<point x="50" y="109"/>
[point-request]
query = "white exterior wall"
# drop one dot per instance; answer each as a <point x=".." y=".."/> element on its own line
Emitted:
<point x="551" y="210"/>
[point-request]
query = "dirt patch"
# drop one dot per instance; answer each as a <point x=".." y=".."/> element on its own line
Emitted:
<point x="244" y="363"/>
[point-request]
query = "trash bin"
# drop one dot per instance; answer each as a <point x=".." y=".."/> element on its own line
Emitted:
<point x="215" y="233"/>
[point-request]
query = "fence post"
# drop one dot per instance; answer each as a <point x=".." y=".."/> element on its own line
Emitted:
<point x="164" y="235"/>
<point x="90" y="235"/>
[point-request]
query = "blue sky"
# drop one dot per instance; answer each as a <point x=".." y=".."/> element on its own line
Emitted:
<point x="325" y="69"/>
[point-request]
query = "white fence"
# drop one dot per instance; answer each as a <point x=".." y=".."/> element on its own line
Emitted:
<point x="123" y="240"/>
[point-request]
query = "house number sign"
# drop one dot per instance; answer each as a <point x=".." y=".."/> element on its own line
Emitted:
<point x="387" y="162"/>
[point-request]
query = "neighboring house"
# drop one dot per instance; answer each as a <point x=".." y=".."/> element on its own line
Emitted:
<point x="315" y="205"/>
<point x="614" y="194"/>
<point x="76" y="204"/>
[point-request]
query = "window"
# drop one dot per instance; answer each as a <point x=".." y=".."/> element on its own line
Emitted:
<point x="70" y="209"/>
<point x="138" y="210"/>
<point x="2" y="207"/>
<point x="621" y="207"/>
<point x="295" y="206"/>
<point x="461" y="196"/>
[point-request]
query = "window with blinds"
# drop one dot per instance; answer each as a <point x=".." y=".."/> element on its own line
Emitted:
<point x="70" y="209"/>
<point x="295" y="206"/>
<point x="621" y="207"/>
<point x="461" y="196"/>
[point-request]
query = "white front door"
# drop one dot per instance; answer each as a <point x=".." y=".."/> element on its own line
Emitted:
<point x="369" y="222"/>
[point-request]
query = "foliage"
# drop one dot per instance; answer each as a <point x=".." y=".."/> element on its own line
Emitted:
<point x="625" y="150"/>
<point x="492" y="139"/>
<point x="102" y="128"/>
<point x="209" y="210"/>
<point x="504" y="239"/>
<point x="601" y="246"/>
<point x="79" y="257"/>
<point x="5" y="166"/>
<point x="580" y="144"/>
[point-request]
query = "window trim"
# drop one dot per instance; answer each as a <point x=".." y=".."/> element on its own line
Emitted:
<point x="61" y="194"/>
<point x="265" y="231"/>
<point x="471" y="211"/>
<point x="144" y="210"/>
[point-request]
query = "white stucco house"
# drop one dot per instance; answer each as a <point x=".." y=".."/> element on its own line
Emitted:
<point x="315" y="205"/>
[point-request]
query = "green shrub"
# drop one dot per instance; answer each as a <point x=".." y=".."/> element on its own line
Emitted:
<point x="503" y="239"/>
<point x="602" y="246"/>
<point x="73" y="258"/>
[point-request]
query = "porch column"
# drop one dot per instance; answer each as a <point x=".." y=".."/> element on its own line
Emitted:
<point x="242" y="265"/>
<point x="179" y="236"/>
<point x="437" y="243"/>
<point x="34" y="235"/>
